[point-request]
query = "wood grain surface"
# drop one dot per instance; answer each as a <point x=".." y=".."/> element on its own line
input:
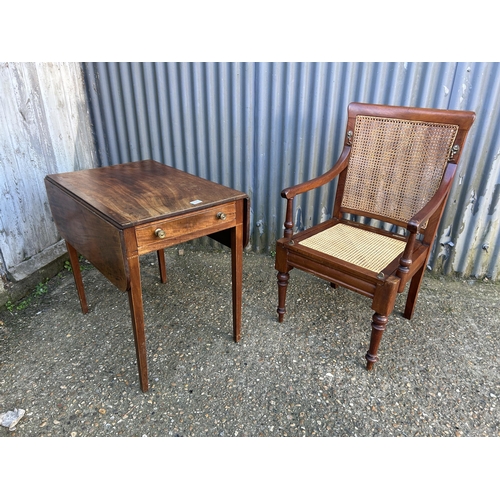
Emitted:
<point x="134" y="193"/>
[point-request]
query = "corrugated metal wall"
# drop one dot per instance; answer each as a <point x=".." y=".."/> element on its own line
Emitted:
<point x="260" y="127"/>
<point x="44" y="128"/>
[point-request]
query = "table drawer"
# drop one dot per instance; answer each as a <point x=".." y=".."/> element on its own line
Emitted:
<point x="168" y="232"/>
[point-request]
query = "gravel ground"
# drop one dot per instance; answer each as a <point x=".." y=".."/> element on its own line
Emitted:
<point x="76" y="375"/>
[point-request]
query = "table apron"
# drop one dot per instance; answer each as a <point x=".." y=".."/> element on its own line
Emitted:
<point x="187" y="227"/>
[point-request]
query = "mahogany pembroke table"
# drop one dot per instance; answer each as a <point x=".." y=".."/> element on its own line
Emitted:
<point x="113" y="215"/>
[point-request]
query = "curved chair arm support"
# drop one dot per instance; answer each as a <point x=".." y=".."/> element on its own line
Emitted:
<point x="288" y="219"/>
<point x="290" y="192"/>
<point x="433" y="204"/>
<point x="406" y="259"/>
<point x="420" y="218"/>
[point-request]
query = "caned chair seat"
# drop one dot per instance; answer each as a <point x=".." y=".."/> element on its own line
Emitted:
<point x="357" y="246"/>
<point x="397" y="166"/>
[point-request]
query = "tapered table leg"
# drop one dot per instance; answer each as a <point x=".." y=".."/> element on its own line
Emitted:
<point x="162" y="265"/>
<point x="137" y="313"/>
<point x="77" y="275"/>
<point x="237" y="278"/>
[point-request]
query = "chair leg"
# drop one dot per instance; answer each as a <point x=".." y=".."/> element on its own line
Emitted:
<point x="411" y="300"/>
<point x="379" y="323"/>
<point x="383" y="304"/>
<point x="282" y="286"/>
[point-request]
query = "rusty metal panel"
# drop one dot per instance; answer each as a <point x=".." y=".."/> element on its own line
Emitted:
<point x="469" y="238"/>
<point x="261" y="127"/>
<point x="44" y="128"/>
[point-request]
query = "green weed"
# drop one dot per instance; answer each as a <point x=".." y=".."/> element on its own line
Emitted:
<point x="41" y="289"/>
<point x="81" y="259"/>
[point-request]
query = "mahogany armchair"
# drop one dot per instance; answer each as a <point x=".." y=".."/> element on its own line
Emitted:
<point x="397" y="167"/>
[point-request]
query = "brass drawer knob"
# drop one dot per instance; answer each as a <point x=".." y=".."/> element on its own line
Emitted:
<point x="160" y="233"/>
<point x="221" y="216"/>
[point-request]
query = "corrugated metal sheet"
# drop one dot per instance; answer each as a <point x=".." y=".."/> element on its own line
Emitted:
<point x="260" y="127"/>
<point x="44" y="128"/>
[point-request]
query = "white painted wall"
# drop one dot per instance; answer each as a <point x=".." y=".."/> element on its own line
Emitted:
<point x="44" y="128"/>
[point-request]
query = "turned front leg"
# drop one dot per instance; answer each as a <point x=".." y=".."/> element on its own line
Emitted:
<point x="281" y="265"/>
<point x="379" y="324"/>
<point x="383" y="304"/>
<point x="282" y="286"/>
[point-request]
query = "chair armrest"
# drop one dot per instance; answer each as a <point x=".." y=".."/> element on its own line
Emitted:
<point x="290" y="192"/>
<point x="415" y="223"/>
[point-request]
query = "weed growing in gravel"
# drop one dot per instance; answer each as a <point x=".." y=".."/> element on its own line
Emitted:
<point x="40" y="289"/>
<point x="81" y="259"/>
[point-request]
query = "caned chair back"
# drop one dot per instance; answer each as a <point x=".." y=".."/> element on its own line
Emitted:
<point x="395" y="166"/>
